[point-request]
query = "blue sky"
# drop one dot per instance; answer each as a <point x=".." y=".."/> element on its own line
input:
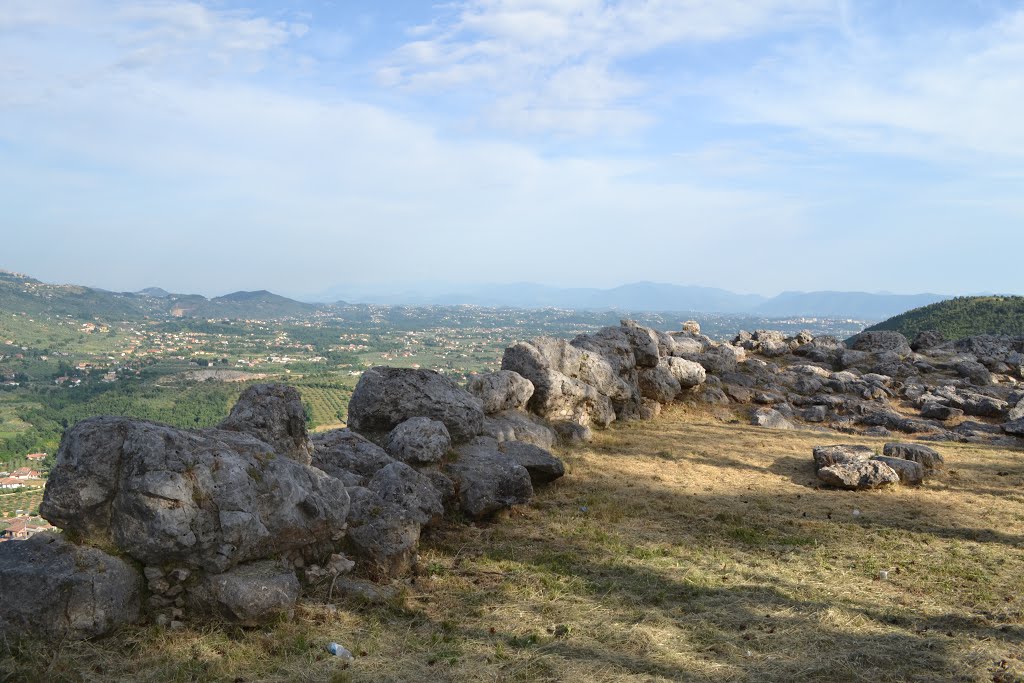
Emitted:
<point x="755" y="145"/>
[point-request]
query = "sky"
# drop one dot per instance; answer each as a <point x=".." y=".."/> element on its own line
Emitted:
<point x="310" y="146"/>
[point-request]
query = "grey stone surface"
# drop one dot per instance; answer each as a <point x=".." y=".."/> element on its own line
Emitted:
<point x="514" y="425"/>
<point x="274" y="414"/>
<point x="840" y="454"/>
<point x="419" y="441"/>
<point x="539" y="462"/>
<point x="252" y="594"/>
<point x="502" y="390"/>
<point x="927" y="457"/>
<point x="348" y="456"/>
<point x="382" y="537"/>
<point x="413" y="492"/>
<point x="487" y="479"/>
<point x="885" y="340"/>
<point x="208" y="499"/>
<point x="770" y="418"/>
<point x="856" y="476"/>
<point x="385" y="397"/>
<point x="52" y="588"/>
<point x="910" y="473"/>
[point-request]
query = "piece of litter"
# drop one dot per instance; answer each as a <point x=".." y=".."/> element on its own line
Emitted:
<point x="883" y="575"/>
<point x="856" y="513"/>
<point x="339" y="651"/>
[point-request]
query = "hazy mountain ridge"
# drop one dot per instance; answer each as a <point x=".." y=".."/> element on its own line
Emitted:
<point x="24" y="294"/>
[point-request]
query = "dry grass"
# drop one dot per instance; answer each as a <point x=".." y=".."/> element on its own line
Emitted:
<point x="684" y="549"/>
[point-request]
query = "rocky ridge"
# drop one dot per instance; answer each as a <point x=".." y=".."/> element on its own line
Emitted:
<point x="232" y="522"/>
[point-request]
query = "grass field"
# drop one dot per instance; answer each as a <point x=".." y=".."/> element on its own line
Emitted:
<point x="684" y="549"/>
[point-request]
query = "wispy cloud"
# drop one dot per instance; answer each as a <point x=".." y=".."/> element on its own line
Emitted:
<point x="559" y="64"/>
<point x="947" y="95"/>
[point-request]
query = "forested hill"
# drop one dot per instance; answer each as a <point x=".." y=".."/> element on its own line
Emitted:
<point x="962" y="317"/>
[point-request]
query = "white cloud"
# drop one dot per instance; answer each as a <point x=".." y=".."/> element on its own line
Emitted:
<point x="945" y="96"/>
<point x="557" y="64"/>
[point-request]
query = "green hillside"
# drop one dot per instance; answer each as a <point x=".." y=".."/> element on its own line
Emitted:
<point x="962" y="317"/>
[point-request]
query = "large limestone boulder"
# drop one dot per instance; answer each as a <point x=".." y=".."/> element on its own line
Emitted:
<point x="348" y="456"/>
<point x="884" y="340"/>
<point x="274" y="414"/>
<point x="659" y="383"/>
<point x="542" y="466"/>
<point x="52" y="588"/>
<point x="252" y="594"/>
<point x="385" y="397"/>
<point x="488" y="480"/>
<point x="502" y="390"/>
<point x="206" y="499"/>
<point x="927" y="457"/>
<point x="644" y="341"/>
<point x="851" y="467"/>
<point x="513" y="425"/>
<point x="557" y="370"/>
<point x="770" y="418"/>
<point x="382" y="537"/>
<point x="413" y="492"/>
<point x="910" y="473"/>
<point x="688" y="373"/>
<point x="867" y="474"/>
<point x="419" y="441"/>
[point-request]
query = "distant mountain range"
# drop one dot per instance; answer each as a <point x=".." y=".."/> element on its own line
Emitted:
<point x="653" y="296"/>
<point x="25" y="294"/>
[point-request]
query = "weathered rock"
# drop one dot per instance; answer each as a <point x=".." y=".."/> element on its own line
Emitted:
<point x="910" y="473"/>
<point x="856" y="476"/>
<point x="649" y="409"/>
<point x="419" y="441"/>
<point x="1017" y="412"/>
<point x="937" y="411"/>
<point x="502" y="390"/>
<point x="928" y="458"/>
<point x="688" y="373"/>
<point x="883" y="340"/>
<point x="52" y="588"/>
<point x="348" y="456"/>
<point x="513" y="425"/>
<point x="209" y="499"/>
<point x="771" y="418"/>
<point x="251" y="594"/>
<point x="659" y="383"/>
<point x="542" y="466"/>
<point x="976" y="372"/>
<point x="852" y="358"/>
<point x="487" y="479"/>
<point x="385" y="397"/>
<point x="1015" y="427"/>
<point x="840" y="454"/>
<point x="721" y="359"/>
<point x="926" y="340"/>
<point x="571" y="432"/>
<point x="274" y="414"/>
<point x="555" y="368"/>
<point x="691" y="327"/>
<point x="644" y="342"/>
<point x="687" y="346"/>
<point x="381" y="536"/>
<point x="404" y="487"/>
<point x="979" y="405"/>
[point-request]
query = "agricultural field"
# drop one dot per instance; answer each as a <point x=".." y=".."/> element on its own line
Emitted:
<point x="26" y="499"/>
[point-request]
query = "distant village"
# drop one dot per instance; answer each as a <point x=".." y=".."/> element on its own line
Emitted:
<point x="20" y="494"/>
